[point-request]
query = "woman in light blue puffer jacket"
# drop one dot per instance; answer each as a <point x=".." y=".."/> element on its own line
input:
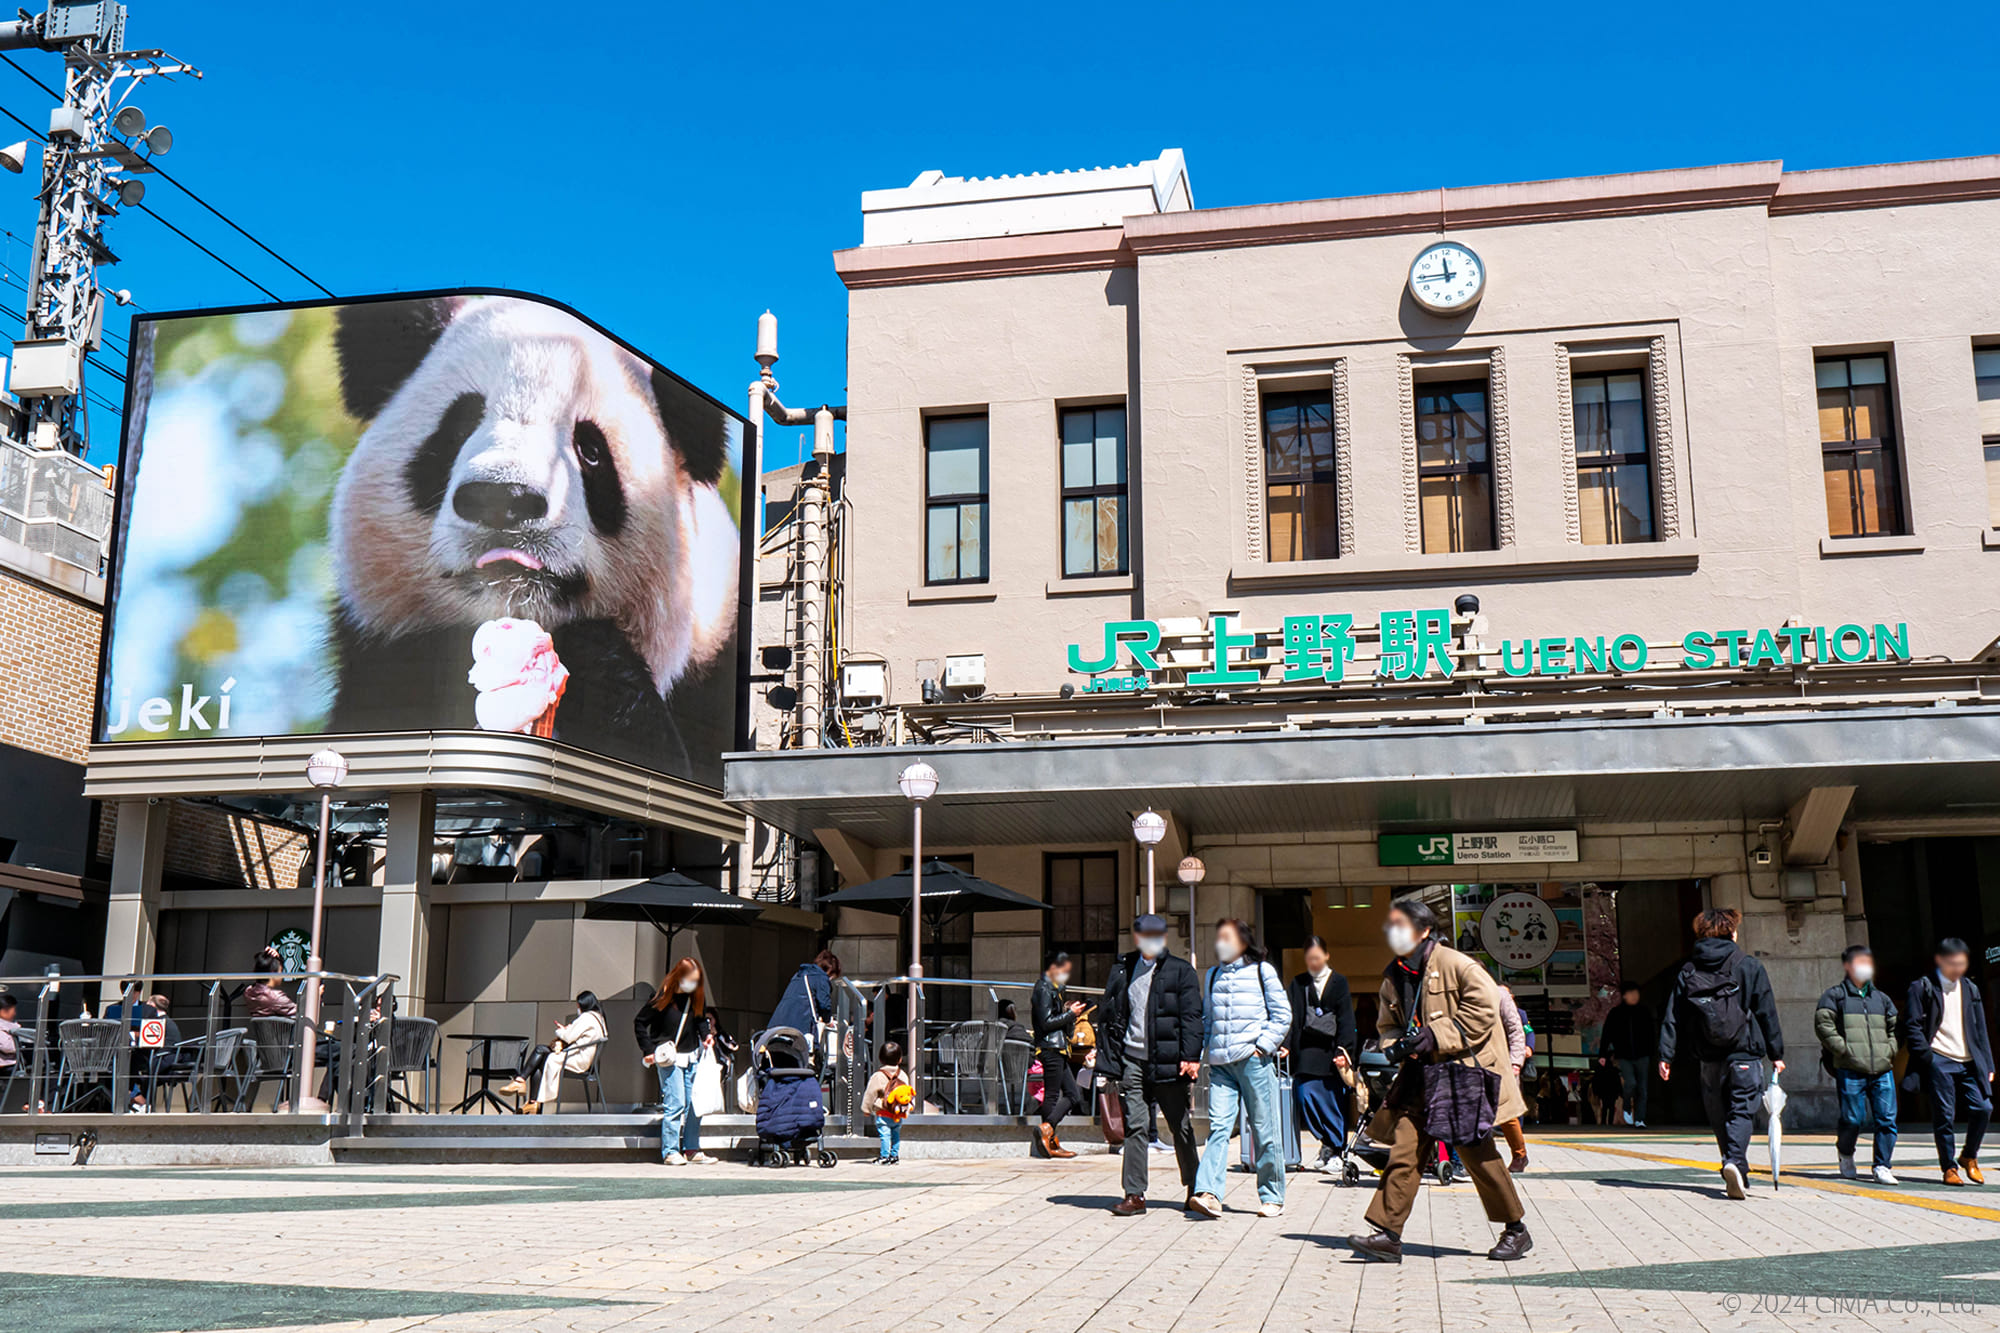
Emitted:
<point x="1246" y="1019"/>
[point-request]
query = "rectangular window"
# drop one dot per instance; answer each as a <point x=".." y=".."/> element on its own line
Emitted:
<point x="1301" y="514"/>
<point x="1614" y="461"/>
<point x="1986" y="369"/>
<point x="955" y="500"/>
<point x="1093" y="491"/>
<point x="1083" y="890"/>
<point x="1858" y="446"/>
<point x="1454" y="466"/>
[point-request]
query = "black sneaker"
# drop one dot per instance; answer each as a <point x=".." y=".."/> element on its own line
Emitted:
<point x="895" y="1159"/>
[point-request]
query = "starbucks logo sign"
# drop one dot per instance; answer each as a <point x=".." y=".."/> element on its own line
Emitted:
<point x="294" y="946"/>
<point x="1519" y="930"/>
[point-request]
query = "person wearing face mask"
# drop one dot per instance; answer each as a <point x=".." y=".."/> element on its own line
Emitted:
<point x="1323" y="1041"/>
<point x="1246" y="1018"/>
<point x="1437" y="1005"/>
<point x="1055" y="1018"/>
<point x="1149" y="1047"/>
<point x="1856" y="1026"/>
<point x="673" y="1029"/>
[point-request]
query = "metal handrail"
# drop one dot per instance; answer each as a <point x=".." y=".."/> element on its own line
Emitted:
<point x="130" y="985"/>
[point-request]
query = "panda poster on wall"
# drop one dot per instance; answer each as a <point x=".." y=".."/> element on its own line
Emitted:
<point x="459" y="511"/>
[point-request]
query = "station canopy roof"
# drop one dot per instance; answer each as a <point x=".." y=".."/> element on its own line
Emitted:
<point x="1908" y="766"/>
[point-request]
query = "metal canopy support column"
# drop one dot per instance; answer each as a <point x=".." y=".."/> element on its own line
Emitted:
<point x="406" y="896"/>
<point x="132" y="916"/>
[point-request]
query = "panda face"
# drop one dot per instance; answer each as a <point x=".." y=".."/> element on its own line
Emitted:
<point x="524" y="469"/>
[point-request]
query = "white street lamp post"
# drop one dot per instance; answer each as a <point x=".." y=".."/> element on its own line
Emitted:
<point x="1149" y="828"/>
<point x="1191" y="872"/>
<point x="919" y="783"/>
<point x="326" y="770"/>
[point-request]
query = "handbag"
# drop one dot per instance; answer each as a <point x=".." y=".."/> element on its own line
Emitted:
<point x="1459" y="1101"/>
<point x="1111" y="1113"/>
<point x="705" y="1098"/>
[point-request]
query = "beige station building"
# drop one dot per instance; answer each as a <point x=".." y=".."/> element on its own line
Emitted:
<point x="1628" y="542"/>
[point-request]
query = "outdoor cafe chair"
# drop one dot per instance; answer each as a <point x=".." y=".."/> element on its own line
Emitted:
<point x="1016" y="1057"/>
<point x="272" y="1049"/>
<point x="588" y="1077"/>
<point x="413" y="1050"/>
<point x="89" y="1052"/>
<point x="213" y="1059"/>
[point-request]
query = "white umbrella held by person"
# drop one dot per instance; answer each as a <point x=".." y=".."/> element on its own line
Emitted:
<point x="1774" y="1132"/>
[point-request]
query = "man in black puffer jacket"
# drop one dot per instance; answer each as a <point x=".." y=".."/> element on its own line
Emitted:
<point x="1149" y="1046"/>
<point x="1722" y="1001"/>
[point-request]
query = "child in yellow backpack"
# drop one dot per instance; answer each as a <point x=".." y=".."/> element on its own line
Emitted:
<point x="889" y="1098"/>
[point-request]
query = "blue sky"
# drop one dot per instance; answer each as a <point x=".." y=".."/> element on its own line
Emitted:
<point x="636" y="161"/>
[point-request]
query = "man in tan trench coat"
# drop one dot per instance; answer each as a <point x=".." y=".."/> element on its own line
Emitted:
<point x="1437" y="1005"/>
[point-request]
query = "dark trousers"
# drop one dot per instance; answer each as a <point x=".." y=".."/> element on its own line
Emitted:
<point x="1866" y="1098"/>
<point x="1956" y="1088"/>
<point x="1634" y="1074"/>
<point x="1176" y="1103"/>
<point x="1729" y="1092"/>
<point x="531" y="1072"/>
<point x="1410" y="1150"/>
<point x="1059" y="1091"/>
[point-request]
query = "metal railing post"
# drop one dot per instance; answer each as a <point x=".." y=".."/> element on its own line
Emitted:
<point x="39" y="1065"/>
<point x="121" y="1055"/>
<point x="205" y="1066"/>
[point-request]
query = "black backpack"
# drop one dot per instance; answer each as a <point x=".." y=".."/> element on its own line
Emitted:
<point x="1717" y="1001"/>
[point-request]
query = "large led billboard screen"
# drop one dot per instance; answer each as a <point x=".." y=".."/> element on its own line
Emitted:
<point x="455" y="511"/>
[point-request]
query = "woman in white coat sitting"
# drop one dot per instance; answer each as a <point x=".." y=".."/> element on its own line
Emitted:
<point x="574" y="1050"/>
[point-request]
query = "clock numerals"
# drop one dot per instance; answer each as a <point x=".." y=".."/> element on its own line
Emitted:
<point x="1447" y="277"/>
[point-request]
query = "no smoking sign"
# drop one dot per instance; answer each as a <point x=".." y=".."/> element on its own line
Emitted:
<point x="153" y="1033"/>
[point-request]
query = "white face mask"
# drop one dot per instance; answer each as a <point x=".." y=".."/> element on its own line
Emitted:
<point x="1152" y="946"/>
<point x="687" y="987"/>
<point x="1060" y="980"/>
<point x="1226" y="951"/>
<point x="1402" y="939"/>
<point x="1864" y="973"/>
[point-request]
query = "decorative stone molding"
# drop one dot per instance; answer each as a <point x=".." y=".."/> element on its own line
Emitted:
<point x="1503" y="456"/>
<point x="1666" y="487"/>
<point x="1253" y="465"/>
<point x="1566" y="439"/>
<point x="1406" y="393"/>
<point x="1343" y="459"/>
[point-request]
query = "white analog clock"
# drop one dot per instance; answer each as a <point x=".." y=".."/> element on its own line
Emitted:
<point x="1447" y="278"/>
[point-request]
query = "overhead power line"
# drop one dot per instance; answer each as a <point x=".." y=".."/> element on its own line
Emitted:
<point x="147" y="210"/>
<point x="180" y="185"/>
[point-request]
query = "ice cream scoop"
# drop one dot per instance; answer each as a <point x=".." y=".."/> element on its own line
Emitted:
<point x="518" y="675"/>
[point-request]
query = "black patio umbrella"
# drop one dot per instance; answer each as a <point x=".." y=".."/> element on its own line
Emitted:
<point x="669" y="902"/>
<point x="947" y="891"/>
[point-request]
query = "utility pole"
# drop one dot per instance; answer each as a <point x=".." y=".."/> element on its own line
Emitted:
<point x="98" y="144"/>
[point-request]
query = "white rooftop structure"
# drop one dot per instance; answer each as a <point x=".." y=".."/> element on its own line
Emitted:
<point x="937" y="207"/>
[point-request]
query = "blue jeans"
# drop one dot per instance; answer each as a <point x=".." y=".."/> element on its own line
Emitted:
<point x="1866" y="1097"/>
<point x="679" y="1125"/>
<point x="889" y="1133"/>
<point x="1253" y="1083"/>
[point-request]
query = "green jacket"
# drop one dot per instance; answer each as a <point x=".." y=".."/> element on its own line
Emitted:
<point x="1856" y="1026"/>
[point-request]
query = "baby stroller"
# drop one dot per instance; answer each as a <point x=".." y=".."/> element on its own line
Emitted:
<point x="1376" y="1076"/>
<point x="791" y="1104"/>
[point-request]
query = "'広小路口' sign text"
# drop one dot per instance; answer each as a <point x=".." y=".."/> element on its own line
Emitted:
<point x="1418" y="645"/>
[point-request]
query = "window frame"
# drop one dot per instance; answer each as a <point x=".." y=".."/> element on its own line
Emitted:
<point x="1989" y="443"/>
<point x="957" y="501"/>
<point x="1429" y="471"/>
<point x="1610" y="462"/>
<point x="1328" y="476"/>
<point x="1122" y="489"/>
<point x="1078" y="948"/>
<point x="1888" y="444"/>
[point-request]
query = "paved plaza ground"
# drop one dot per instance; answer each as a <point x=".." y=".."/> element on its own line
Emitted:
<point x="1632" y="1233"/>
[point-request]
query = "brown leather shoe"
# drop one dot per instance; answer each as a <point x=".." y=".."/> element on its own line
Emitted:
<point x="1051" y="1145"/>
<point x="1380" y="1247"/>
<point x="1518" y="1165"/>
<point x="1951" y="1176"/>
<point x="1970" y="1166"/>
<point x="1513" y="1245"/>
<point x="1130" y="1206"/>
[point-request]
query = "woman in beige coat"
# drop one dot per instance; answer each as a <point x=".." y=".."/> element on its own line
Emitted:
<point x="574" y="1050"/>
<point x="1437" y="1005"/>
